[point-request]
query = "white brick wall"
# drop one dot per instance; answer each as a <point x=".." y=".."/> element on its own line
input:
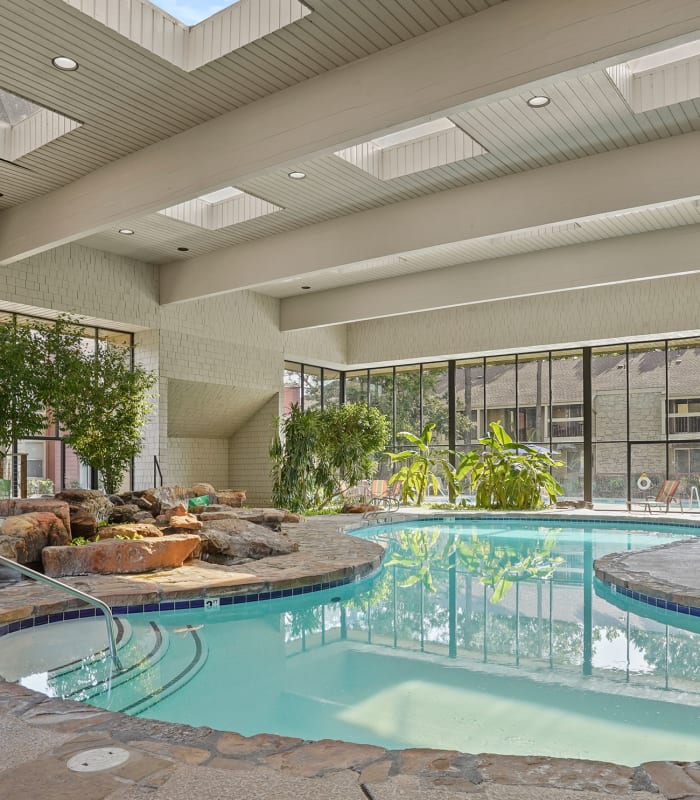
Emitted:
<point x="79" y="280"/>
<point x="193" y="460"/>
<point x="249" y="463"/>
<point x="231" y="340"/>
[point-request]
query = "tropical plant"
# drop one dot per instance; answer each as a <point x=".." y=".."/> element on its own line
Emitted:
<point x="421" y="468"/>
<point x="102" y="405"/>
<point x="80" y="541"/>
<point x="315" y="452"/>
<point x="509" y="475"/>
<point x="293" y="460"/>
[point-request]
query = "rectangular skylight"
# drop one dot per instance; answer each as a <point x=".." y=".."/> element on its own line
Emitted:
<point x="190" y="12"/>
<point x="220" y="194"/>
<point x="414" y="132"/>
<point x="664" y="57"/>
<point x="14" y="110"/>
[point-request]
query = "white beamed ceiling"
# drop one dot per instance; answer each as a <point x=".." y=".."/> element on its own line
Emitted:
<point x="530" y="240"/>
<point x="587" y="115"/>
<point x="128" y="98"/>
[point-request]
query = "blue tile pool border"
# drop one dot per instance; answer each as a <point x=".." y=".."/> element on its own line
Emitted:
<point x="656" y="602"/>
<point x="450" y="517"/>
<point x="175" y="605"/>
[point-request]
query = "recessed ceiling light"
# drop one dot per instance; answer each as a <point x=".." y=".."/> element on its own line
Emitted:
<point x="296" y="175"/>
<point x="183" y="249"/>
<point x="539" y="101"/>
<point x="65" y="63"/>
<point x="126" y="231"/>
<point x="305" y="287"/>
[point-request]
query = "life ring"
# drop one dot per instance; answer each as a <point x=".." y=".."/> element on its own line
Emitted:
<point x="643" y="483"/>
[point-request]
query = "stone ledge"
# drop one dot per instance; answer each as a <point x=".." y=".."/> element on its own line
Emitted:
<point x="325" y="556"/>
<point x="665" y="576"/>
<point x="410" y="773"/>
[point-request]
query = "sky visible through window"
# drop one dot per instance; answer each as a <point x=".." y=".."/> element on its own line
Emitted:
<point x="192" y="11"/>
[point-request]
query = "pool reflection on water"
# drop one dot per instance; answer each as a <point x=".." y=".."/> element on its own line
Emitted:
<point x="488" y="636"/>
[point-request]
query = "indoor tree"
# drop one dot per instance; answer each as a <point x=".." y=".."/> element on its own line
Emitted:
<point x="30" y="380"/>
<point x="317" y="452"/>
<point x="102" y="404"/>
<point x="24" y="386"/>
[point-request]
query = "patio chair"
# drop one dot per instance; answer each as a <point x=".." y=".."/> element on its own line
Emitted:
<point x="666" y="495"/>
<point x="384" y="499"/>
<point x="357" y="494"/>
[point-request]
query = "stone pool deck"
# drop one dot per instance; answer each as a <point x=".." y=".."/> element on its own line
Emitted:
<point x="325" y="556"/>
<point x="38" y="735"/>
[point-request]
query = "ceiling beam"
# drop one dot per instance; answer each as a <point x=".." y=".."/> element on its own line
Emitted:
<point x="667" y="169"/>
<point x="657" y="254"/>
<point x="508" y="45"/>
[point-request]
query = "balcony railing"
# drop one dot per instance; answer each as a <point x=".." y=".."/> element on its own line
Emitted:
<point x="568" y="429"/>
<point x="686" y="423"/>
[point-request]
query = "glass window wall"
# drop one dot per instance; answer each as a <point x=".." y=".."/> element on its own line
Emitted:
<point x="50" y="465"/>
<point x="644" y="414"/>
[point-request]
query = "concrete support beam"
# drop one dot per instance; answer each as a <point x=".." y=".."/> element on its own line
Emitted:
<point x="657" y="254"/>
<point x="509" y="45"/>
<point x="659" y="171"/>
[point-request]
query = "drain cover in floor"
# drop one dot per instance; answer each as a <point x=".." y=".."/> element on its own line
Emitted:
<point x="98" y="759"/>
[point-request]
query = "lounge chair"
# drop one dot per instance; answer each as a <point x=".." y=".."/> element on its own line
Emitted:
<point x="384" y="500"/>
<point x="666" y="495"/>
<point x="357" y="494"/>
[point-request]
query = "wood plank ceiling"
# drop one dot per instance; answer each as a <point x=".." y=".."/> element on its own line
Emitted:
<point x="127" y="98"/>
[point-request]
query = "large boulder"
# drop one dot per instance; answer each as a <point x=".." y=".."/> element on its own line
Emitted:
<point x="126" y="513"/>
<point x="83" y="525"/>
<point x="231" y="540"/>
<point x="88" y="500"/>
<point x="169" y="496"/>
<point x="145" y="499"/>
<point x="10" y="508"/>
<point x="209" y="516"/>
<point x="22" y="538"/>
<point x="184" y="522"/>
<point x="178" y="510"/>
<point x="231" y="497"/>
<point x="119" y="557"/>
<point x="200" y="489"/>
<point x="144" y="516"/>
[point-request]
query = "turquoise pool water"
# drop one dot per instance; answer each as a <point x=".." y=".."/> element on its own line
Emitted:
<point x="488" y="636"/>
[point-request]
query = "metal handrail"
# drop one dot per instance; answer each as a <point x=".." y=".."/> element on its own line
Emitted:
<point x="156" y="470"/>
<point x="88" y="598"/>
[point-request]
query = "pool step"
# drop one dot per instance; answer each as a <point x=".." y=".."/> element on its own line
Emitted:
<point x="123" y="635"/>
<point x="156" y="664"/>
<point x="138" y="651"/>
<point x="174" y="679"/>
